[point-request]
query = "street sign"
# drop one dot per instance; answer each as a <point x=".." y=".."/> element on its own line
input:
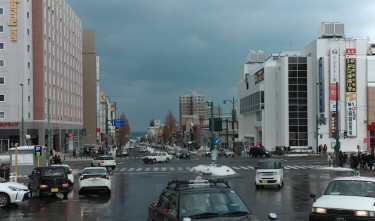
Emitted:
<point x="38" y="151"/>
<point x="118" y="122"/>
<point x="217" y="141"/>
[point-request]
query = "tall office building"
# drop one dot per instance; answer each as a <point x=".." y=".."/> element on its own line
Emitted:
<point x="193" y="105"/>
<point x="40" y="74"/>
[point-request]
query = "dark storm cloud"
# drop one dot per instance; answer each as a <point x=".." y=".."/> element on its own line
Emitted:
<point x="153" y="51"/>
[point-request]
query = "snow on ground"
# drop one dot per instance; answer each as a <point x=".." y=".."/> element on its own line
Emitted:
<point x="213" y="169"/>
<point x="336" y="168"/>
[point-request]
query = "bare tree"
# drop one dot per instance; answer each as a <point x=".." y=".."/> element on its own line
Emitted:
<point x="170" y="127"/>
<point x="123" y="134"/>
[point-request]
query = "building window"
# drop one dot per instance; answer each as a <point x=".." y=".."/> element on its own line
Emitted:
<point x="28" y="15"/>
<point x="2" y="97"/>
<point x="28" y="99"/>
<point x="28" y="31"/>
<point x="28" y="65"/>
<point x="1" y="45"/>
<point x="1" y="29"/>
<point x="28" y="48"/>
<point x="2" y="80"/>
<point x="1" y="11"/>
<point x="297" y="91"/>
<point x="29" y="115"/>
<point x="2" y="63"/>
<point x="2" y="115"/>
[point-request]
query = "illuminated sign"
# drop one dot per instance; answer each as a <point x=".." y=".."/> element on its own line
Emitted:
<point x="12" y="22"/>
<point x="351" y="94"/>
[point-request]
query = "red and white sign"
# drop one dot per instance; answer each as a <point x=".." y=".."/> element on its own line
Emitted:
<point x="350" y="51"/>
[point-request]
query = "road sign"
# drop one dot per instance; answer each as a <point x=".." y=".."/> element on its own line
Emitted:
<point x="38" y="151"/>
<point x="118" y="122"/>
<point x="217" y="141"/>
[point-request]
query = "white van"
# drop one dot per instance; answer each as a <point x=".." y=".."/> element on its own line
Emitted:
<point x="269" y="173"/>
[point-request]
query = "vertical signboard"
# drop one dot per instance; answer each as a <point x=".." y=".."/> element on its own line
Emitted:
<point x="321" y="83"/>
<point x="351" y="92"/>
<point x="334" y="69"/>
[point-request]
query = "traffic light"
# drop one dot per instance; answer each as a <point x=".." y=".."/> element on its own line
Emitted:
<point x="38" y="151"/>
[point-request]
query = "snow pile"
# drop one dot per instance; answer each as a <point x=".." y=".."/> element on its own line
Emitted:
<point x="213" y="169"/>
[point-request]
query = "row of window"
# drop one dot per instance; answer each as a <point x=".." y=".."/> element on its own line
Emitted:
<point x="253" y="102"/>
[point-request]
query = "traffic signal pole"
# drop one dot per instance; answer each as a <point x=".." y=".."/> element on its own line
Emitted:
<point x="337" y="134"/>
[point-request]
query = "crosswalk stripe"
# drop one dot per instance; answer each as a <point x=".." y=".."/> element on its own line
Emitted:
<point x="245" y="168"/>
<point x="147" y="169"/>
<point x="250" y="167"/>
<point x="131" y="169"/>
<point x="179" y="168"/>
<point x="171" y="168"/>
<point x="163" y="169"/>
<point x="236" y="168"/>
<point x="139" y="169"/>
<point x="156" y="168"/>
<point x="123" y="169"/>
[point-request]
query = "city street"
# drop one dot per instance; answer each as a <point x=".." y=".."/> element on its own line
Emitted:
<point x="135" y="185"/>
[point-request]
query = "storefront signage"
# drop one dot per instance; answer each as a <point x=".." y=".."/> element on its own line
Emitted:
<point x="12" y="22"/>
<point x="259" y="76"/>
<point x="9" y="124"/>
<point x="351" y="94"/>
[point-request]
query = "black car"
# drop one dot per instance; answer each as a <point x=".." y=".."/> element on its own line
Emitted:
<point x="184" y="154"/>
<point x="200" y="200"/>
<point x="49" y="180"/>
<point x="259" y="152"/>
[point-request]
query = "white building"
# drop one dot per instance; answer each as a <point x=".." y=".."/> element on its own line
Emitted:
<point x="40" y="74"/>
<point x="282" y="97"/>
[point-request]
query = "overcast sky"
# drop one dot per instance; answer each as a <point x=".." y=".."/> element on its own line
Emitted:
<point x="153" y="51"/>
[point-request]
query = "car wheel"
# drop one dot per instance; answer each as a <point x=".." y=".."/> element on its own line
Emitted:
<point x="166" y="160"/>
<point x="280" y="185"/>
<point x="257" y="186"/>
<point x="92" y="164"/>
<point x="65" y="195"/>
<point x="153" y="160"/>
<point x="80" y="192"/>
<point x="108" y="192"/>
<point x="4" y="200"/>
<point x="113" y="168"/>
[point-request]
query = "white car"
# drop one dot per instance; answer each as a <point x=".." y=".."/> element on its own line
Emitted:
<point x="68" y="170"/>
<point x="155" y="157"/>
<point x="11" y="192"/>
<point x="269" y="173"/>
<point x="346" y="198"/>
<point x="94" y="179"/>
<point x="104" y="161"/>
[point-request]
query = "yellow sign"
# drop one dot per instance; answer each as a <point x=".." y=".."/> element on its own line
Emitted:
<point x="13" y="19"/>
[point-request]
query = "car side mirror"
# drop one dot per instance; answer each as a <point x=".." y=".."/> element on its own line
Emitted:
<point x="272" y="216"/>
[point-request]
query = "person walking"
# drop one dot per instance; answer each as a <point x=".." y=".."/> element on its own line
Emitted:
<point x="329" y="158"/>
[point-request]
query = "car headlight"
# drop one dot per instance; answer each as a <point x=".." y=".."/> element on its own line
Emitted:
<point x="13" y="188"/>
<point x="319" y="210"/>
<point x="364" y="213"/>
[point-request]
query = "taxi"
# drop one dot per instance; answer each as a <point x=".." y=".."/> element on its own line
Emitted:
<point x="346" y="199"/>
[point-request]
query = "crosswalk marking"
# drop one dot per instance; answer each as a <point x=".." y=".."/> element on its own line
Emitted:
<point x="184" y="169"/>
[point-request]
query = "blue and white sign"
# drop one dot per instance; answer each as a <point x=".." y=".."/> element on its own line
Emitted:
<point x="118" y="123"/>
<point x="217" y="141"/>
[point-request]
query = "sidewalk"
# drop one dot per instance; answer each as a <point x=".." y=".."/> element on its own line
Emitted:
<point x="69" y="157"/>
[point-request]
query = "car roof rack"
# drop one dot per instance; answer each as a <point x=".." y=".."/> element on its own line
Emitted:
<point x="198" y="182"/>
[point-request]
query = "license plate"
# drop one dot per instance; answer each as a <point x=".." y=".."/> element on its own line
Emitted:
<point x="263" y="181"/>
<point x="54" y="190"/>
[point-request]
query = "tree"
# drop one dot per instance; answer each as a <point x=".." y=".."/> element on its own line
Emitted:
<point x="170" y="127"/>
<point x="123" y="134"/>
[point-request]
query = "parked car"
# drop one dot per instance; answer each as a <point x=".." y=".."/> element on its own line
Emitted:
<point x="199" y="200"/>
<point x="225" y="153"/>
<point x="143" y="150"/>
<point x="259" y="152"/>
<point x="155" y="157"/>
<point x="184" y="154"/>
<point x="269" y="173"/>
<point x="69" y="171"/>
<point x="11" y="192"/>
<point x="171" y="152"/>
<point x="206" y="152"/>
<point x="125" y="153"/>
<point x="94" y="179"/>
<point x="346" y="198"/>
<point x="49" y="180"/>
<point x="104" y="161"/>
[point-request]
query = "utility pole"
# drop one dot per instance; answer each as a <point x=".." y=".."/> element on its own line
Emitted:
<point x="22" y="120"/>
<point x="106" y="123"/>
<point x="212" y="124"/>
<point x="317" y="120"/>
<point x="337" y="134"/>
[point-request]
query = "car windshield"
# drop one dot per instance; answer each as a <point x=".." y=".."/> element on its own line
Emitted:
<point x="351" y="188"/>
<point x="201" y="205"/>
<point x="269" y="165"/>
<point x="66" y="168"/>
<point x="154" y="154"/>
<point x="54" y="171"/>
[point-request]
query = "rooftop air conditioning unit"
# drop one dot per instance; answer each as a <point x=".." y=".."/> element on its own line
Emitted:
<point x="252" y="57"/>
<point x="331" y="30"/>
<point x="261" y="56"/>
<point x="339" y="30"/>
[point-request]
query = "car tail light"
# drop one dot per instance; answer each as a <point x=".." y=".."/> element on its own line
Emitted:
<point x="82" y="177"/>
<point x="66" y="185"/>
<point x="43" y="186"/>
<point x="105" y="177"/>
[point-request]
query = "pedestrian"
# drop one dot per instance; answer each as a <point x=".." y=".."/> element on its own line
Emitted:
<point x="329" y="158"/>
<point x="74" y="153"/>
<point x="325" y="149"/>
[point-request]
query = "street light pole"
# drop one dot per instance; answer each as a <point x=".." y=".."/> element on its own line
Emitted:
<point x="22" y="120"/>
<point x="233" y="101"/>
<point x="317" y="119"/>
<point x="337" y="134"/>
<point x="212" y="124"/>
